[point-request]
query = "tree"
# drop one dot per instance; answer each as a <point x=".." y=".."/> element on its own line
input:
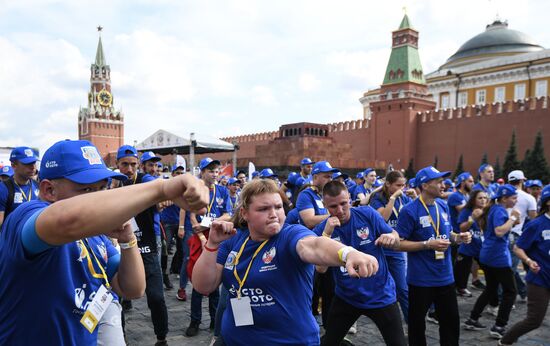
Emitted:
<point x="459" y="166"/>
<point x="497" y="169"/>
<point x="436" y="161"/>
<point x="410" y="172"/>
<point x="536" y="162"/>
<point x="511" y="161"/>
<point x="525" y="164"/>
<point x="484" y="159"/>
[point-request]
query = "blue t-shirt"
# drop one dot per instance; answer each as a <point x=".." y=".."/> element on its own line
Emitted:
<point x="535" y="240"/>
<point x="495" y="251"/>
<point x="232" y="204"/>
<point x="474" y="247"/>
<point x="22" y="194"/>
<point x="379" y="201"/>
<point x="45" y="296"/>
<point x="413" y="224"/>
<point x="361" y="231"/>
<point x="490" y="190"/>
<point x="309" y="199"/>
<point x="219" y="202"/>
<point x="156" y="215"/>
<point x="293" y="218"/>
<point x="455" y="199"/>
<point x="350" y="184"/>
<point x="170" y="215"/>
<point x="360" y="189"/>
<point x="279" y="285"/>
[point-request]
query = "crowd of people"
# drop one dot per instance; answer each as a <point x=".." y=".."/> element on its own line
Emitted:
<point x="282" y="261"/>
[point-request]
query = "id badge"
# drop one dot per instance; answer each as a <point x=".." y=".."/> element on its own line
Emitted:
<point x="96" y="309"/>
<point x="439" y="255"/>
<point x="206" y="222"/>
<point x="242" y="311"/>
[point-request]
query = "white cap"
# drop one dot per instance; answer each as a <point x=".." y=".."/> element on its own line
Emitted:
<point x="516" y="175"/>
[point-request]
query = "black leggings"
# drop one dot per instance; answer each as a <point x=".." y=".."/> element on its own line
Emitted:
<point x="462" y="269"/>
<point x="342" y="316"/>
<point x="494" y="277"/>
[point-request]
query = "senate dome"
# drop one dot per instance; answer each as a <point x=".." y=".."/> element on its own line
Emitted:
<point x="496" y="41"/>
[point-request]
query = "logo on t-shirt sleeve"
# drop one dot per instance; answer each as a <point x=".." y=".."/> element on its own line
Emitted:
<point x="230" y="261"/>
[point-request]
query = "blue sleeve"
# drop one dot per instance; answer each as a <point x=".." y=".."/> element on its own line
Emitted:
<point x="376" y="203"/>
<point x="379" y="224"/>
<point x="225" y="249"/>
<point x="147" y="178"/>
<point x="405" y="223"/>
<point x="112" y="265"/>
<point x="32" y="244"/>
<point x="463" y="216"/>
<point x="455" y="200"/>
<point x="295" y="233"/>
<point x="3" y="196"/>
<point x="500" y="217"/>
<point x="528" y="237"/>
<point x="227" y="204"/>
<point x="318" y="230"/>
<point x="304" y="201"/>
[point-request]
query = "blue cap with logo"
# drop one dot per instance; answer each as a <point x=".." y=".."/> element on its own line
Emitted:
<point x="483" y="167"/>
<point x="175" y="167"/>
<point x="336" y="175"/>
<point x="545" y="195"/>
<point x="267" y="173"/>
<point x="7" y="171"/>
<point x="292" y="177"/>
<point x="378" y="183"/>
<point x="323" y="167"/>
<point x="255" y="174"/>
<point x="505" y="191"/>
<point x="306" y="161"/>
<point x="412" y="183"/>
<point x="149" y="156"/>
<point x="25" y="155"/>
<point x="360" y="175"/>
<point x="207" y="162"/>
<point x="462" y="177"/>
<point x="125" y="151"/>
<point x="232" y="181"/>
<point x="368" y="170"/>
<point x="429" y="173"/>
<point x="77" y="161"/>
<point x="534" y="182"/>
<point x="448" y="182"/>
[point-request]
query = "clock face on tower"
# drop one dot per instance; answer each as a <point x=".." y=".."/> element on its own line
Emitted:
<point x="104" y="98"/>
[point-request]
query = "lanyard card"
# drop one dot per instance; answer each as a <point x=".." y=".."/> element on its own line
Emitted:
<point x="439" y="255"/>
<point x="206" y="222"/>
<point x="96" y="309"/>
<point x="242" y="311"/>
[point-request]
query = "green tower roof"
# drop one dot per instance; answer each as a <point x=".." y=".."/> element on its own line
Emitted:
<point x="405" y="23"/>
<point x="99" y="55"/>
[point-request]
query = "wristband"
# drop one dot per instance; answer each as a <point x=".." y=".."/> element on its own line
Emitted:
<point x="132" y="243"/>
<point x="326" y="235"/>
<point x="209" y="249"/>
<point x="392" y="198"/>
<point x="343" y="253"/>
<point x="513" y="218"/>
<point x="182" y="227"/>
<point x="425" y="243"/>
<point x="471" y="219"/>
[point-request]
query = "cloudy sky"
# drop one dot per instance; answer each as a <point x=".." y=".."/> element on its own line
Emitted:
<point x="219" y="67"/>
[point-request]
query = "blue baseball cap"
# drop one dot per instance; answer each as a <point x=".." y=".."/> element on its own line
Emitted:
<point x="448" y="182"/>
<point x="323" y="167"/>
<point x="360" y="175"/>
<point x="255" y="174"/>
<point x="336" y="175"/>
<point x="25" y="155"/>
<point x="301" y="181"/>
<point x="6" y="170"/>
<point x="482" y="167"/>
<point x="175" y="167"/>
<point x="306" y="161"/>
<point x="534" y="182"/>
<point x="462" y="177"/>
<point x="207" y="162"/>
<point x="125" y="151"/>
<point x="149" y="156"/>
<point x="232" y="181"/>
<point x="429" y="173"/>
<point x="412" y="183"/>
<point x="77" y="161"/>
<point x="377" y="183"/>
<point x="292" y="177"/>
<point x="545" y="194"/>
<point x="368" y="170"/>
<point x="505" y="191"/>
<point x="267" y="173"/>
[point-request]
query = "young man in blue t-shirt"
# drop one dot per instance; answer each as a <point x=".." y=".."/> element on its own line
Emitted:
<point x="486" y="178"/>
<point x="366" y="231"/>
<point x="58" y="243"/>
<point x="20" y="187"/>
<point x="426" y="232"/>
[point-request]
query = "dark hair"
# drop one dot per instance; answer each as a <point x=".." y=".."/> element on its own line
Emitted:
<point x="471" y="204"/>
<point x="483" y="217"/>
<point x="334" y="188"/>
<point x="391" y="178"/>
<point x="544" y="208"/>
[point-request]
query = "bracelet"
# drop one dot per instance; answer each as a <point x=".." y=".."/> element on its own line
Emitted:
<point x="182" y="227"/>
<point x="326" y="235"/>
<point x="209" y="249"/>
<point x="132" y="243"/>
<point x="528" y="261"/>
<point x="343" y="253"/>
<point x="392" y="198"/>
<point x="425" y="243"/>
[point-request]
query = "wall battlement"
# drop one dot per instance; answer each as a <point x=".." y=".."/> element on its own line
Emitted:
<point x="530" y="105"/>
<point x="254" y="137"/>
<point x="349" y="125"/>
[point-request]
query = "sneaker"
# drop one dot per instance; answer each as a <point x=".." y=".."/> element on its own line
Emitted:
<point x="167" y="284"/>
<point x="193" y="328"/>
<point x="501" y="344"/>
<point x="432" y="317"/>
<point x="492" y="310"/>
<point x="353" y="329"/>
<point x="162" y="342"/>
<point x="463" y="292"/>
<point x="497" y="332"/>
<point x="181" y="295"/>
<point x="478" y="285"/>
<point x="471" y="324"/>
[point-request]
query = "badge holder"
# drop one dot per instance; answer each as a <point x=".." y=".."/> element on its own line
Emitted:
<point x="242" y="311"/>
<point x="439" y="255"/>
<point x="97" y="308"/>
<point x="206" y="222"/>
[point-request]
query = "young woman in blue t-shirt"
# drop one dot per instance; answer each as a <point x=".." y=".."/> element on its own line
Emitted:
<point x="268" y="271"/>
<point x="496" y="261"/>
<point x="533" y="249"/>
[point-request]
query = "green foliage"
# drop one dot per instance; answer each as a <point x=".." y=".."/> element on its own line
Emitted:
<point x="459" y="166"/>
<point x="511" y="161"/>
<point x="410" y="172"/>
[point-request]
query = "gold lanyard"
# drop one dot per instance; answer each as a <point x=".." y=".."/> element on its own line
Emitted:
<point x="91" y="267"/>
<point x="436" y="229"/>
<point x="241" y="282"/>
<point x="212" y="201"/>
<point x="396" y="212"/>
<point x="23" y="192"/>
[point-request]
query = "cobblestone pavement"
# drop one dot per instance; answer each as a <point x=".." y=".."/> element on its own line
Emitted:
<point x="139" y="328"/>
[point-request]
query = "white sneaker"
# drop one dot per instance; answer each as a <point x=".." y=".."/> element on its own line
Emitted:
<point x="353" y="329"/>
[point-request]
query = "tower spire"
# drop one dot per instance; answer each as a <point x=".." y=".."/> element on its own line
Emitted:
<point x="99" y="55"/>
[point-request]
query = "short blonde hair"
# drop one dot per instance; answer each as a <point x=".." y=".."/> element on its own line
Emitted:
<point x="251" y="189"/>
